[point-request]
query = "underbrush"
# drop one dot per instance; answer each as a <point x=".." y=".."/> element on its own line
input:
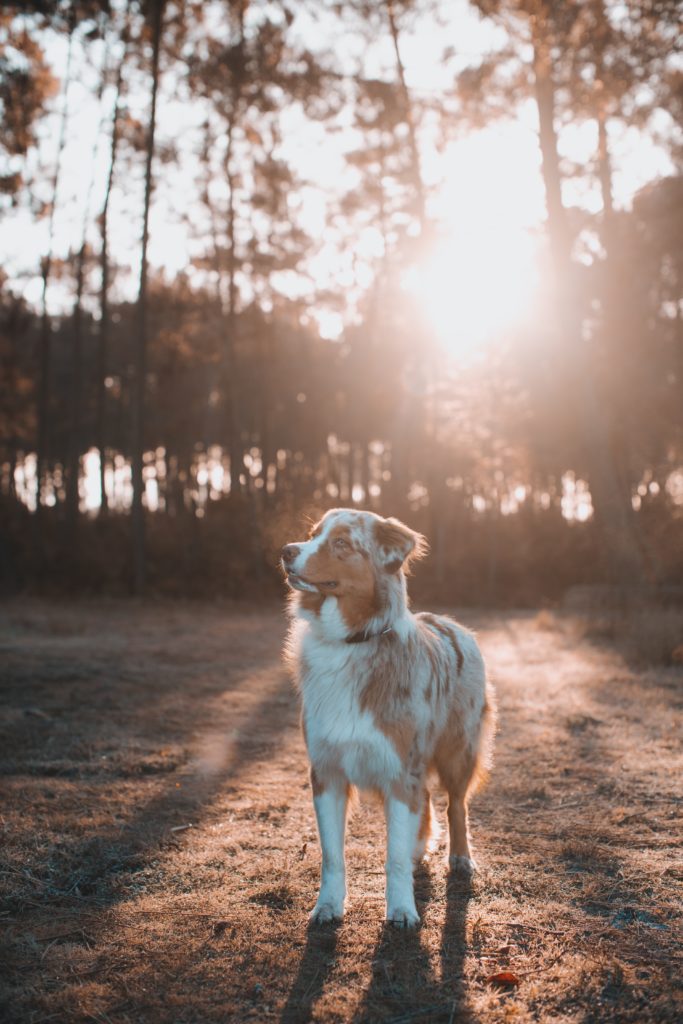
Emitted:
<point x="649" y="635"/>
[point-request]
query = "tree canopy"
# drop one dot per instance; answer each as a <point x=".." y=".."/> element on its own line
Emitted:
<point x="236" y="289"/>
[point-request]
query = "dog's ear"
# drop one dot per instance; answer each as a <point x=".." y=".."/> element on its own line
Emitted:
<point x="398" y="544"/>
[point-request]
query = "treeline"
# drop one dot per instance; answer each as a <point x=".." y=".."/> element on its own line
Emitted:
<point x="225" y="364"/>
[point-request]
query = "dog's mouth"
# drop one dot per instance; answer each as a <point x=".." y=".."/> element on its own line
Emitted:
<point x="298" y="582"/>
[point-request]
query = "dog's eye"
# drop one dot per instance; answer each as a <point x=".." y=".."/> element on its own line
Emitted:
<point x="341" y="545"/>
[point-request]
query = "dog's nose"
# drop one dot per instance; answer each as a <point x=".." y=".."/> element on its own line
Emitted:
<point x="289" y="553"/>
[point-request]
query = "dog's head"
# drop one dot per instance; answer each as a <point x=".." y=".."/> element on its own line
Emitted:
<point x="352" y="556"/>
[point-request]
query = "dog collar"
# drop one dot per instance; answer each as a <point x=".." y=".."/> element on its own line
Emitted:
<point x="362" y="635"/>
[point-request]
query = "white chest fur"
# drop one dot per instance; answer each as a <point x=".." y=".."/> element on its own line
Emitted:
<point x="341" y="736"/>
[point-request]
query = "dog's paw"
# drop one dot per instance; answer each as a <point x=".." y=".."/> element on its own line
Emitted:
<point x="326" y="913"/>
<point x="420" y="855"/>
<point x="403" y="917"/>
<point x="462" y="867"/>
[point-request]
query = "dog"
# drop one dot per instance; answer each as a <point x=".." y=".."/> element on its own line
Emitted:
<point x="390" y="700"/>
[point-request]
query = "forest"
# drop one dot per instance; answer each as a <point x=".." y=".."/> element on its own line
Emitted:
<point x="264" y="258"/>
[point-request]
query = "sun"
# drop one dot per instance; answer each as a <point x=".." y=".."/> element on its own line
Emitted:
<point x="481" y="277"/>
<point x="475" y="286"/>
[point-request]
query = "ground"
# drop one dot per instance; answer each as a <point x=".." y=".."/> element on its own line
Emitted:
<point x="159" y="856"/>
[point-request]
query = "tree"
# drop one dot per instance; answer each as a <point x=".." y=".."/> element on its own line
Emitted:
<point x="46" y="268"/>
<point x="155" y="15"/>
<point x="246" y="78"/>
<point x="105" y="268"/>
<point x="81" y="259"/>
<point x="17" y="334"/>
<point x="550" y="31"/>
<point x="26" y="85"/>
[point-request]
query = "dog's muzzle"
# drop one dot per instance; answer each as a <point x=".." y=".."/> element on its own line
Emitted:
<point x="290" y="552"/>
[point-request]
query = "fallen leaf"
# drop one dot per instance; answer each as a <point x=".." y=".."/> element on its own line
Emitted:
<point x="503" y="979"/>
<point x="253" y="136"/>
<point x="219" y="927"/>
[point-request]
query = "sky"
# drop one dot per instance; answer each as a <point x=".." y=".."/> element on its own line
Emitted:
<point x="485" y="190"/>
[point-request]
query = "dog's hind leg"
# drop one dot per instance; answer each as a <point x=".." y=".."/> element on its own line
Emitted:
<point x="428" y="831"/>
<point x="461" y="763"/>
<point x="459" y="854"/>
<point x="456" y="771"/>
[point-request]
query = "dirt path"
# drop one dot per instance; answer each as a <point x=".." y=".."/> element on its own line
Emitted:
<point x="159" y="857"/>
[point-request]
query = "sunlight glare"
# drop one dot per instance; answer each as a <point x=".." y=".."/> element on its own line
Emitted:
<point x="481" y="277"/>
<point x="90" y="496"/>
<point x="476" y="285"/>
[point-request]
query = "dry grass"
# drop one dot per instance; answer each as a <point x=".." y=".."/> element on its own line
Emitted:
<point x="159" y="854"/>
<point x="645" y="635"/>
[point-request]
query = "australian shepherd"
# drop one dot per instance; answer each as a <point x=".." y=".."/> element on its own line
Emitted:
<point x="390" y="700"/>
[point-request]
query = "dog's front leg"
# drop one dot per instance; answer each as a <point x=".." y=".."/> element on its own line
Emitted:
<point x="330" y="810"/>
<point x="402" y="828"/>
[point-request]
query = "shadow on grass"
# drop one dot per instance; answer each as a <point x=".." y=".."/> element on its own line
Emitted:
<point x="634" y="912"/>
<point x="92" y="873"/>
<point x="454" y="949"/>
<point x="317" y="960"/>
<point x="404" y="986"/>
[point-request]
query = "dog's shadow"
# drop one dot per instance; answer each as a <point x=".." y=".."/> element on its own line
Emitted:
<point x="404" y="985"/>
<point x="452" y="991"/>
<point x="317" y="960"/>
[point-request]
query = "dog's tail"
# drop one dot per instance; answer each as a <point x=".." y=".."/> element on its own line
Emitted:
<point x="487" y="731"/>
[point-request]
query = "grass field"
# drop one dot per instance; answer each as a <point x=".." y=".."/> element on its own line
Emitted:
<point x="159" y="856"/>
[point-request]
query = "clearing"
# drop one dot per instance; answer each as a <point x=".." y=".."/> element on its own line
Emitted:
<point x="159" y="856"/>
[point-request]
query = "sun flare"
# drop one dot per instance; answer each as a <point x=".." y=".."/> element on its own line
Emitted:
<point x="476" y="285"/>
<point x="480" y="278"/>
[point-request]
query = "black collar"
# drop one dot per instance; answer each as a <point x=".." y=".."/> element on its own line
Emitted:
<point x="363" y="635"/>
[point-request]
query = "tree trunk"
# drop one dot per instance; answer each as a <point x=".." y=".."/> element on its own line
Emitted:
<point x="618" y="326"/>
<point x="45" y="321"/>
<point x="230" y="362"/>
<point x="611" y="505"/>
<point x="74" y="444"/>
<point x="138" y="404"/>
<point x="605" y="174"/>
<point x="103" y="334"/>
<point x="11" y="483"/>
<point x="600" y="33"/>
<point x="544" y="88"/>
<point x="75" y="439"/>
<point x="213" y="371"/>
<point x="416" y="169"/>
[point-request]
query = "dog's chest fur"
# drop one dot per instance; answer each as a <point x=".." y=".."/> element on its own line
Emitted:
<point x="339" y="730"/>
